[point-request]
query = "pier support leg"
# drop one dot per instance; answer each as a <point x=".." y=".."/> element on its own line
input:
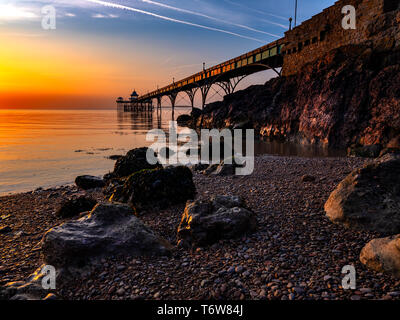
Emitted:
<point x="230" y="85"/>
<point x="205" y="89"/>
<point x="172" y="97"/>
<point x="191" y="94"/>
<point x="158" y="103"/>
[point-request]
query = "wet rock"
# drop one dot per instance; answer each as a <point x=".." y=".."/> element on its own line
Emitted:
<point x="392" y="147"/>
<point x="370" y="151"/>
<point x="73" y="207"/>
<point x="206" y="222"/>
<point x="30" y="289"/>
<point x="50" y="296"/>
<point x="183" y="119"/>
<point x="157" y="188"/>
<point x="5" y="230"/>
<point x="198" y="167"/>
<point x="135" y="160"/>
<point x="89" y="182"/>
<point x="388" y="151"/>
<point x="113" y="185"/>
<point x="108" y="230"/>
<point x="196" y="112"/>
<point x="115" y="157"/>
<point x="383" y="255"/>
<point x="369" y="198"/>
<point x="226" y="167"/>
<point x="210" y="169"/>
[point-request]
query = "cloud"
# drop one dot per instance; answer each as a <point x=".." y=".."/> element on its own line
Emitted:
<point x="104" y="16"/>
<point x="11" y="12"/>
<point x="118" y="6"/>
<point x="71" y="15"/>
<point x="98" y="16"/>
<point x="256" y="10"/>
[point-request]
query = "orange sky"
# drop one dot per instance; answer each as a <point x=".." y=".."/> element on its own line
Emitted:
<point x="41" y="71"/>
<point x="98" y="53"/>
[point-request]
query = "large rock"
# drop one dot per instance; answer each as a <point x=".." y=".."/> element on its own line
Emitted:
<point x="89" y="182"/>
<point x="73" y="207"/>
<point x="369" y="198"/>
<point x="30" y="289"/>
<point x="157" y="188"/>
<point x="183" y="119"/>
<point x="206" y="222"/>
<point x="109" y="230"/>
<point x="383" y="255"/>
<point x="371" y="151"/>
<point x="135" y="160"/>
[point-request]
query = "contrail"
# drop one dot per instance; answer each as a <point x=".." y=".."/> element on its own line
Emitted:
<point x="275" y="23"/>
<point x="211" y="18"/>
<point x="256" y="10"/>
<point x="118" y="6"/>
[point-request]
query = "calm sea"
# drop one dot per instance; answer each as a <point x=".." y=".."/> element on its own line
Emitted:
<point x="48" y="148"/>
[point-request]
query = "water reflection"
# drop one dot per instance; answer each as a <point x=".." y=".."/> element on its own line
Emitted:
<point x="45" y="148"/>
<point x="295" y="149"/>
<point x="140" y="122"/>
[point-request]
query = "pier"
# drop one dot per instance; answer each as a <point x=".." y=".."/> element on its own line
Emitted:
<point x="287" y="56"/>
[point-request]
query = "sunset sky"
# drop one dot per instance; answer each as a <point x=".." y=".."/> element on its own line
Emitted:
<point x="103" y="49"/>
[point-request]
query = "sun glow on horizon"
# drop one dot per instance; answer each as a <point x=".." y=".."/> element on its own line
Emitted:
<point x="9" y="11"/>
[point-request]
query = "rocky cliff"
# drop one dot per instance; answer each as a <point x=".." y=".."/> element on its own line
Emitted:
<point x="348" y="97"/>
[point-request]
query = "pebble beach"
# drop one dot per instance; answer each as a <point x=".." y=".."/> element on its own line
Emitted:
<point x="296" y="252"/>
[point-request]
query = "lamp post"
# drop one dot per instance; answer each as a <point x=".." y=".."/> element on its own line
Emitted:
<point x="295" y="14"/>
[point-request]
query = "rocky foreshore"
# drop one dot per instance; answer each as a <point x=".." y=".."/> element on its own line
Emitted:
<point x="274" y="239"/>
<point x="349" y="98"/>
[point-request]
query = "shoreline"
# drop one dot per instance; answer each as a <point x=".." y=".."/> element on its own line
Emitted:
<point x="295" y="253"/>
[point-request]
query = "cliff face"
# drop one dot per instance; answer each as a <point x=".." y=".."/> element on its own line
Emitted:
<point x="349" y="96"/>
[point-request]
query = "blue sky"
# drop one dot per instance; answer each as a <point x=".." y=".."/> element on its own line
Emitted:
<point x="145" y="43"/>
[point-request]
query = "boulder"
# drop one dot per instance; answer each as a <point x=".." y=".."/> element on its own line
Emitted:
<point x="73" y="207"/>
<point x="135" y="160"/>
<point x="369" y="197"/>
<point x="221" y="217"/>
<point x="196" y="112"/>
<point x="112" y="186"/>
<point x="109" y="230"/>
<point x="5" y="229"/>
<point x="392" y="147"/>
<point x="30" y="289"/>
<point x="370" y="151"/>
<point x="115" y="157"/>
<point x="89" y="182"/>
<point x="198" y="167"/>
<point x="183" y="119"/>
<point x="226" y="167"/>
<point x="383" y="255"/>
<point x="157" y="188"/>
